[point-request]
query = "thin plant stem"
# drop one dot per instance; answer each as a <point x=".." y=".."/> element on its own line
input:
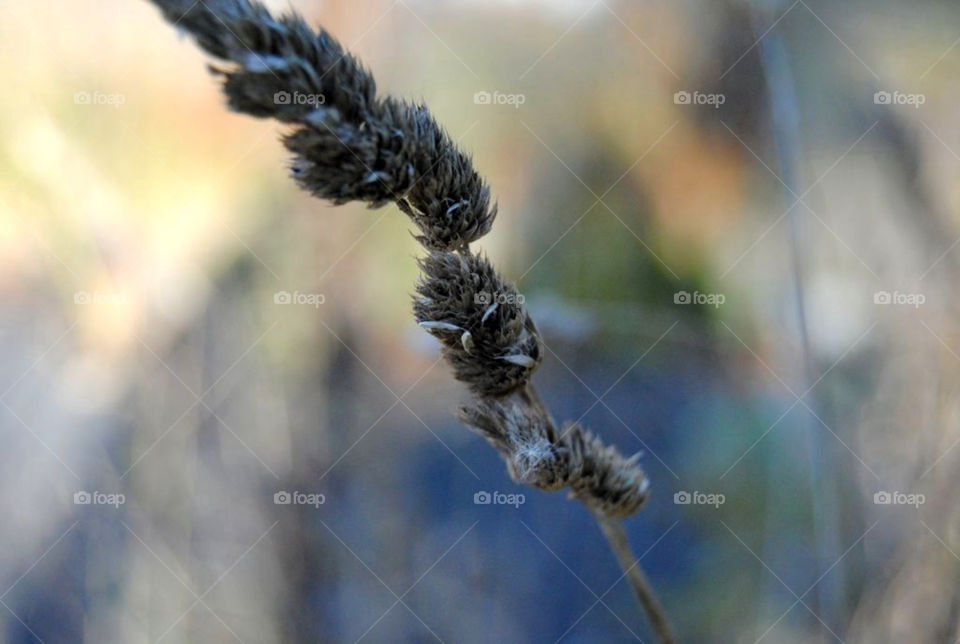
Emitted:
<point x="785" y="129"/>
<point x="617" y="539"/>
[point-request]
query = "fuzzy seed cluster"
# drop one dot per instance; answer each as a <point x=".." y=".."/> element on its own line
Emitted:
<point x="488" y="336"/>
<point x="349" y="144"/>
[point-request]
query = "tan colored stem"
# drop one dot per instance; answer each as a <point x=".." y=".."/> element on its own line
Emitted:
<point x="617" y="538"/>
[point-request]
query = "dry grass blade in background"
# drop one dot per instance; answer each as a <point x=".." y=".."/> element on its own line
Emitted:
<point x="351" y="145"/>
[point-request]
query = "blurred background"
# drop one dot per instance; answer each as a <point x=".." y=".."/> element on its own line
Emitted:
<point x="734" y="222"/>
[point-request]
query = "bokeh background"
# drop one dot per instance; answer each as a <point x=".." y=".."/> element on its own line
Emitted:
<point x="752" y="283"/>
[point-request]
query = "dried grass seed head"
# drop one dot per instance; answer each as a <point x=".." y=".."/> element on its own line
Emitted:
<point x="488" y="336"/>
<point x="536" y="454"/>
<point x="601" y="477"/>
<point x="351" y="146"/>
<point x="348" y="145"/>
<point x="526" y="440"/>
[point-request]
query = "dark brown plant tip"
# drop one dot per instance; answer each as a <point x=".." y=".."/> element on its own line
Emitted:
<point x="601" y="477"/>
<point x="487" y="334"/>
<point x="348" y="144"/>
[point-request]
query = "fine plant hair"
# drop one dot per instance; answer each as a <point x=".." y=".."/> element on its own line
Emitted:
<point x="349" y="144"/>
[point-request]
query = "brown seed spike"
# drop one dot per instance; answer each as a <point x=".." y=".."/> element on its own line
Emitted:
<point x="351" y="145"/>
<point x="597" y="475"/>
<point x="601" y="477"/>
<point x="455" y="295"/>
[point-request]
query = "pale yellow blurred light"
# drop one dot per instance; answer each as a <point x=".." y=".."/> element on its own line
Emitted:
<point x="110" y="317"/>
